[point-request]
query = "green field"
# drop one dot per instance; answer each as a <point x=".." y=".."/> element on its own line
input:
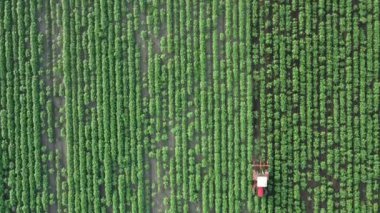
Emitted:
<point x="161" y="105"/>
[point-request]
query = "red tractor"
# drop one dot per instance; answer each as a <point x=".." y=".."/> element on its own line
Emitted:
<point x="260" y="178"/>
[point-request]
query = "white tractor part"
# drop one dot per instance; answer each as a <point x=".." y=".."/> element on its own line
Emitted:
<point x="262" y="181"/>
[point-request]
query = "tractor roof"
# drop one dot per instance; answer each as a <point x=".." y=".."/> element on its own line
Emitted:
<point x="262" y="181"/>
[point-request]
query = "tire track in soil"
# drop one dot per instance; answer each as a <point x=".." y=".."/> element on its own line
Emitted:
<point x="51" y="82"/>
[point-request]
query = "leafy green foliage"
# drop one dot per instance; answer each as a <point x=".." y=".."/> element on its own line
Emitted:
<point x="141" y="106"/>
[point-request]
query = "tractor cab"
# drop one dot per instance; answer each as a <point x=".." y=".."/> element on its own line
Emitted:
<point x="260" y="178"/>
